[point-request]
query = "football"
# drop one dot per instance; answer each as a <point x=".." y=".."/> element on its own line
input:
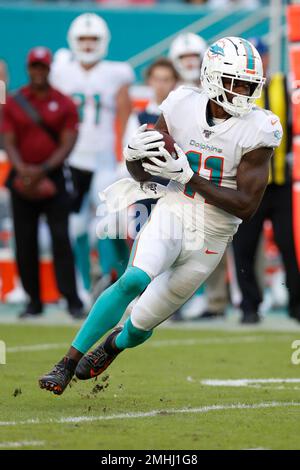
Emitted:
<point x="136" y="169"/>
<point x="169" y="146"/>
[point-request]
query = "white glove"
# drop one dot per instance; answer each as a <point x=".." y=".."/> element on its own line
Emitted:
<point x="171" y="169"/>
<point x="142" y="143"/>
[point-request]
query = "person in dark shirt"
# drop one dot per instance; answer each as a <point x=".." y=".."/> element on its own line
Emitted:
<point x="162" y="77"/>
<point x="276" y="205"/>
<point x="40" y="129"/>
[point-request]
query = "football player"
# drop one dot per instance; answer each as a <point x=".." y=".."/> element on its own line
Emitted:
<point x="224" y="146"/>
<point x="187" y="52"/>
<point x="100" y="89"/>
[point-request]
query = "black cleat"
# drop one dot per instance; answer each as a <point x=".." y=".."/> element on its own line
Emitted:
<point x="59" y="377"/>
<point x="77" y="313"/>
<point x="32" y="311"/>
<point x="250" y="318"/>
<point x="209" y="315"/>
<point x="96" y="361"/>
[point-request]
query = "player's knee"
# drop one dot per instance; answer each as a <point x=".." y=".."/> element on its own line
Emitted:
<point x="176" y="295"/>
<point x="134" y="281"/>
<point x="179" y="291"/>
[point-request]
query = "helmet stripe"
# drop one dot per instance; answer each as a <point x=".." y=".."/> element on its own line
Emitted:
<point x="250" y="56"/>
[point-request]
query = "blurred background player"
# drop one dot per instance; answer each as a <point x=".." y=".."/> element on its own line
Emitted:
<point x="162" y="77"/>
<point x="40" y="129"/>
<point x="276" y="205"/>
<point x="100" y="89"/>
<point x="186" y="52"/>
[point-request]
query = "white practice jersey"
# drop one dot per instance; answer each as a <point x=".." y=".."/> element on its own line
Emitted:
<point x="214" y="152"/>
<point x="94" y="92"/>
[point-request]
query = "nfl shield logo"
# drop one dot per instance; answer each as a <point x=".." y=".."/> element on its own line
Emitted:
<point x="207" y="133"/>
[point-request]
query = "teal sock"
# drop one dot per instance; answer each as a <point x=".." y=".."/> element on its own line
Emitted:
<point x="110" y="306"/>
<point x="131" y="336"/>
<point x="82" y="257"/>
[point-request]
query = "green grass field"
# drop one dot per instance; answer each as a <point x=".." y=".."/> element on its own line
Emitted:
<point x="153" y="397"/>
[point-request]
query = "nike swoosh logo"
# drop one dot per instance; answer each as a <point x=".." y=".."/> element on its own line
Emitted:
<point x="273" y="122"/>
<point x="208" y="252"/>
<point x="179" y="171"/>
<point x="93" y="373"/>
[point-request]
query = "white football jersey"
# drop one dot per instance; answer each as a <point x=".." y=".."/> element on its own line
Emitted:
<point x="214" y="152"/>
<point x="94" y="91"/>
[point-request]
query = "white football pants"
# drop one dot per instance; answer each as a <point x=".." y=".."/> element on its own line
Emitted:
<point x="177" y="258"/>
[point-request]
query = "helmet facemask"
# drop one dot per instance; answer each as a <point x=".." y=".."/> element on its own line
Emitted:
<point x="240" y="104"/>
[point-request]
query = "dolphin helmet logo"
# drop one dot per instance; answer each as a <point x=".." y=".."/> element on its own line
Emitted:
<point x="217" y="50"/>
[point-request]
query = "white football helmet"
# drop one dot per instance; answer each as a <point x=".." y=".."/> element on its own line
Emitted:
<point x="89" y="25"/>
<point x="62" y="56"/>
<point x="186" y="44"/>
<point x="233" y="58"/>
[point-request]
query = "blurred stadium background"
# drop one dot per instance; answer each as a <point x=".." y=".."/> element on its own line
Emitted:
<point x="141" y="32"/>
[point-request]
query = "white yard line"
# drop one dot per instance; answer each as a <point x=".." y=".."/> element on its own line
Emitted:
<point x="278" y="323"/>
<point x="224" y="340"/>
<point x="256" y="383"/>
<point x="36" y="347"/>
<point x="152" y="413"/>
<point x="14" y="445"/>
<point x="164" y="343"/>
